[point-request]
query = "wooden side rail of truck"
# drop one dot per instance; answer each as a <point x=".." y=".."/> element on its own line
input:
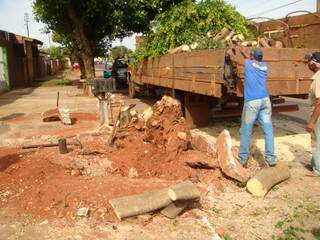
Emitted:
<point x="207" y="78"/>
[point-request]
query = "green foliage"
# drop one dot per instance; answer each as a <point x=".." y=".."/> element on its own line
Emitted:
<point x="239" y="183"/>
<point x="120" y="51"/>
<point x="294" y="227"/>
<point x="64" y="82"/>
<point x="216" y="210"/>
<point x="90" y="26"/>
<point x="227" y="237"/>
<point x="102" y="20"/>
<point x="56" y="53"/>
<point x="316" y="232"/>
<point x="190" y="22"/>
<point x="290" y="233"/>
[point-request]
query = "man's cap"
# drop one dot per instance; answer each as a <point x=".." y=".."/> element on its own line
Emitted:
<point x="257" y="53"/>
<point x="315" y="56"/>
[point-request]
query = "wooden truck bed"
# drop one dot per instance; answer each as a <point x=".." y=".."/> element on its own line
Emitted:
<point x="207" y="78"/>
<point x="203" y="72"/>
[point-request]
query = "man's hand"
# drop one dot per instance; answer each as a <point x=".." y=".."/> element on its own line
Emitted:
<point x="310" y="126"/>
<point x="230" y="52"/>
<point x="245" y="52"/>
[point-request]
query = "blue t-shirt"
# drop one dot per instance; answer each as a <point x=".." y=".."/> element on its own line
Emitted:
<point x="255" y="76"/>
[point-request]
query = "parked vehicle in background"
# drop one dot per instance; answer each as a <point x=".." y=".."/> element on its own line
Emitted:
<point x="76" y="66"/>
<point x="120" y="72"/>
<point x="107" y="73"/>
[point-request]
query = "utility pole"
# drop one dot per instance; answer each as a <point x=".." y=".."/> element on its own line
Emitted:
<point x="26" y="22"/>
<point x="49" y="39"/>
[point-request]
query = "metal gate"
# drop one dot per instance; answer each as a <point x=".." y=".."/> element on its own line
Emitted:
<point x="4" y="77"/>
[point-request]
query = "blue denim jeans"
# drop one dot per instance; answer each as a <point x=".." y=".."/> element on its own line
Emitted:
<point x="259" y="109"/>
<point x="315" y="142"/>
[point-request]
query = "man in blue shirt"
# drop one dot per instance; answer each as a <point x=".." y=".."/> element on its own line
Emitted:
<point x="257" y="105"/>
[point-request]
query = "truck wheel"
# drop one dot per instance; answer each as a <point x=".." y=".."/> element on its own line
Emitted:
<point x="132" y="91"/>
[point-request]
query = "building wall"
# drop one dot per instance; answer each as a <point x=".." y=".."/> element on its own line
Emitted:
<point x="23" y="55"/>
<point x="4" y="74"/>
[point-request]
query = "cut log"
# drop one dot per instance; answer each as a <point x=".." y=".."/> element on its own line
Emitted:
<point x="222" y="34"/>
<point x="278" y="44"/>
<point x="182" y="48"/>
<point x="139" y="204"/>
<point x="201" y="165"/>
<point x="228" y="164"/>
<point x="125" y="115"/>
<point x="203" y="142"/>
<point x="174" y="209"/>
<point x="183" y="191"/>
<point x="266" y="178"/>
<point x="51" y="115"/>
<point x="115" y="127"/>
<point x="264" y="43"/>
<point x="150" y="201"/>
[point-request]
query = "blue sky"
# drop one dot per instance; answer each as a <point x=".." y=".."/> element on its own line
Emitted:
<point x="12" y="15"/>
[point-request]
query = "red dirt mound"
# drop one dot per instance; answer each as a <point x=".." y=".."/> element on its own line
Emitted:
<point x="147" y="154"/>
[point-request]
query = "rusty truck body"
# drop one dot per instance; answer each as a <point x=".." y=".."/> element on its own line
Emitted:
<point x="208" y="78"/>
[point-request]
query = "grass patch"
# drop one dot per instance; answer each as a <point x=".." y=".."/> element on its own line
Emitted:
<point x="51" y="82"/>
<point x="227" y="237"/>
<point x="239" y="184"/>
<point x="290" y="233"/>
<point x="294" y="227"/>
<point x="216" y="210"/>
<point x="64" y="82"/>
<point x="175" y="222"/>
<point x="316" y="233"/>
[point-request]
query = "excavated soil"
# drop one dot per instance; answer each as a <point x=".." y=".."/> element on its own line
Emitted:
<point x="147" y="154"/>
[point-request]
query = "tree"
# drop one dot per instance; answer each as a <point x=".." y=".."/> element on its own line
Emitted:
<point x="120" y="51"/>
<point x="190" y="22"/>
<point x="92" y="24"/>
<point x="71" y="49"/>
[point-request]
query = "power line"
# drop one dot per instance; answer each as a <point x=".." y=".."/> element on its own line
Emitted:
<point x="276" y="8"/>
<point x="266" y="2"/>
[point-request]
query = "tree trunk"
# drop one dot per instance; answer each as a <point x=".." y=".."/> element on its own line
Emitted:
<point x="82" y="69"/>
<point x="87" y="59"/>
<point x="79" y="35"/>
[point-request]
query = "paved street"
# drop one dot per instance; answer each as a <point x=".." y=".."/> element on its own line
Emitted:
<point x="303" y="114"/>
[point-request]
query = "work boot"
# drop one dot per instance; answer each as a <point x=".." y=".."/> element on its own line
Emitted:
<point x="243" y="164"/>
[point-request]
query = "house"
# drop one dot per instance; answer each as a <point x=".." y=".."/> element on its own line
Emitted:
<point x="20" y="61"/>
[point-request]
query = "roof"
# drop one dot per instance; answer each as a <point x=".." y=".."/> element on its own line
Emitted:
<point x="8" y="35"/>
